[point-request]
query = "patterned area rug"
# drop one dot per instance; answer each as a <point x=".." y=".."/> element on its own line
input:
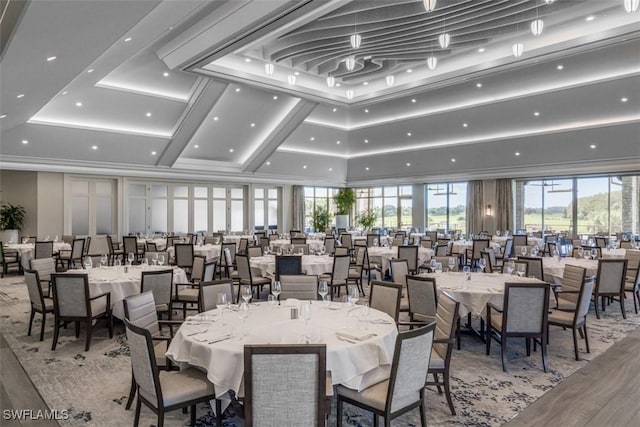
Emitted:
<point x="93" y="386"/>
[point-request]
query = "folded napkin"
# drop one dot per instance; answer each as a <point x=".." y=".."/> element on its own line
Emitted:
<point x="380" y="321"/>
<point x="213" y="337"/>
<point x="355" y="335"/>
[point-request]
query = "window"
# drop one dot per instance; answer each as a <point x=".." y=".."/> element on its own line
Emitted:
<point x="201" y="209"/>
<point x="393" y="205"/>
<point x="547" y="206"/>
<point x="446" y="206"/>
<point x="93" y="207"/>
<point x="318" y="197"/>
<point x="265" y="204"/>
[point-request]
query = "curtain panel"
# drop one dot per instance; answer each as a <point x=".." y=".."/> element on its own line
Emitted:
<point x="298" y="207"/>
<point x="504" y="204"/>
<point x="475" y="206"/>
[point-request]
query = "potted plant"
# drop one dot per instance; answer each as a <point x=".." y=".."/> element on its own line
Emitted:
<point x="11" y="222"/>
<point x="344" y="198"/>
<point x="320" y="218"/>
<point x="367" y="219"/>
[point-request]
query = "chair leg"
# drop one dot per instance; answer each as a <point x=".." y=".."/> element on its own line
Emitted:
<point x="218" y="413"/>
<point x="77" y="326"/>
<point x="624" y="313"/>
<point x="527" y="342"/>
<point x="595" y="304"/>
<point x="44" y="317"/>
<point x="423" y="421"/>
<point x="110" y="320"/>
<point x="33" y="314"/>
<point x="132" y="392"/>
<point x="487" y="340"/>
<point x="161" y="418"/>
<point x="88" y="341"/>
<point x="56" y="331"/>
<point x="447" y="392"/>
<point x="193" y="415"/>
<point x="503" y="353"/>
<point x="339" y="412"/>
<point x="586" y="338"/>
<point x="136" y="419"/>
<point x="545" y="361"/>
<point x="575" y="344"/>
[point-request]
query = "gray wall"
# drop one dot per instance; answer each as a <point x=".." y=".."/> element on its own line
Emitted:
<point x="20" y="188"/>
<point x="50" y="204"/>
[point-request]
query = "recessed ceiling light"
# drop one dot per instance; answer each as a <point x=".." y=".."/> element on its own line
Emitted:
<point x="337" y="84"/>
<point x="215" y="118"/>
<point x="408" y="133"/>
<point x="409" y="70"/>
<point x="367" y="168"/>
<point x="253" y="125"/>
<point x="237" y="89"/>
<point x="590" y="18"/>
<point x="330" y="169"/>
<point x="335" y="109"/>
<point x="231" y="150"/>
<point x="153" y="153"/>
<point x="275" y="96"/>
<point x="624" y="99"/>
<point x="2" y="116"/>
<point x="592" y="146"/>
<point x="478" y="84"/>
<point x="465" y="125"/>
<point x="90" y="70"/>
<point x="128" y="39"/>
<point x="148" y="114"/>
<point x="304" y="167"/>
<point x="366" y="141"/>
<point x="20" y="96"/>
<point x="408" y="164"/>
<point x="171" y="28"/>
<point x="196" y="146"/>
<point x="51" y="58"/>
<point x="536" y="113"/>
<point x="365" y="83"/>
<point x="453" y="160"/>
<point x="560" y="67"/>
<point x="247" y="59"/>
<point x="366" y="110"/>
<point x="166" y="74"/>
<point x="268" y="163"/>
<point x="338" y="142"/>
<point x="312" y="139"/>
<point x="517" y="153"/>
<point x="94" y="147"/>
<point x="24" y="141"/>
<point x="481" y="50"/>
<point x="78" y="104"/>
<point x="414" y="101"/>
<point x="65" y="92"/>
<point x="296" y="73"/>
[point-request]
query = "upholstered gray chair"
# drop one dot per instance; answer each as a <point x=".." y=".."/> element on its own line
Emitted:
<point x="130" y="246"/>
<point x="610" y="283"/>
<point x="197" y="269"/>
<point x="475" y="253"/>
<point x="302" y="287"/>
<point x="39" y="304"/>
<point x="285" y="385"/>
<point x="341" y="251"/>
<point x="256" y="251"/>
<point x="346" y="240"/>
<point x="45" y="268"/>
<point x="209" y="291"/>
<point x="632" y="281"/>
<point x="576" y="317"/>
<point x="572" y="279"/>
<point x="523" y="314"/>
<point x="43" y="250"/>
<point x="373" y="238"/>
<point x="243" y="244"/>
<point x="139" y="309"/>
<point x="210" y="268"/>
<point x="329" y="244"/>
<point x="160" y="283"/>
<point x="339" y="275"/>
<point x="404" y="390"/>
<point x="184" y="256"/>
<point x="399" y="269"/>
<point x="229" y="263"/>
<point x="165" y="391"/>
<point x="445" y="334"/>
<point x="441" y="249"/>
<point x="8" y="259"/>
<point x="385" y="296"/>
<point x="535" y="266"/>
<point x="72" y="302"/>
<point x="423" y="299"/>
<point x="356" y="270"/>
<point x="68" y="258"/>
<point x="410" y="253"/>
<point x="246" y="277"/>
<point x="114" y="250"/>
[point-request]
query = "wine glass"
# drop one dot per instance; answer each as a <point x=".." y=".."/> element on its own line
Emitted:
<point x="581" y="252"/>
<point x="467" y="271"/>
<point x="130" y="258"/>
<point x="594" y="253"/>
<point x="117" y="263"/>
<point x="432" y="264"/>
<point x="88" y="263"/>
<point x="323" y="290"/>
<point x="438" y="267"/>
<point x="482" y="263"/>
<point x="104" y="260"/>
<point x="276" y="290"/>
<point x="155" y="258"/>
<point x="145" y="263"/>
<point x="247" y="294"/>
<point x="25" y="240"/>
<point x="161" y="260"/>
<point x="55" y="239"/>
<point x="243" y="314"/>
<point x="521" y="270"/>
<point x="221" y="303"/>
<point x="363" y="314"/>
<point x="47" y="238"/>
<point x="375" y="242"/>
<point x="354" y="295"/>
<point x="452" y="263"/>
<point x="322" y="250"/>
<point x="523" y="250"/>
<point x="305" y="312"/>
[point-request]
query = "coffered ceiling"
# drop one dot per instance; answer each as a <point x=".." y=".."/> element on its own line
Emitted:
<point x="181" y="89"/>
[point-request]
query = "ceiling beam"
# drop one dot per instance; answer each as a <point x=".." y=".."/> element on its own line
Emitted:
<point x="195" y="114"/>
<point x="291" y="121"/>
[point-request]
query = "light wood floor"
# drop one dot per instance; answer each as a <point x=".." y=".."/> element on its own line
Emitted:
<point x="17" y="391"/>
<point x="605" y="393"/>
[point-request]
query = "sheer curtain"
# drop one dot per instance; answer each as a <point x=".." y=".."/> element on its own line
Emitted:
<point x="475" y="206"/>
<point x="298" y="207"/>
<point x="504" y="204"/>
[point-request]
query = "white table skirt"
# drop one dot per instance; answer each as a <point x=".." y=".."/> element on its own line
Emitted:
<point x="314" y="244"/>
<point x="357" y="366"/>
<point x="554" y="269"/>
<point x="121" y="284"/>
<point x="311" y="264"/>
<point x="474" y="294"/>
<point x="382" y="255"/>
<point x="210" y="252"/>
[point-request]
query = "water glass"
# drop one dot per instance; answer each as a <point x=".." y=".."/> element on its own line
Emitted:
<point x="104" y="260"/>
<point x="276" y="289"/>
<point x="130" y="258"/>
<point x="452" y="263"/>
<point x="247" y="294"/>
<point x="354" y="295"/>
<point x="272" y="300"/>
<point x="305" y="312"/>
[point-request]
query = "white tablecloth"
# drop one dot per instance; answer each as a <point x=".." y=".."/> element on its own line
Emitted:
<point x="236" y="238"/>
<point x="554" y="269"/>
<point x="314" y="245"/>
<point x="161" y="243"/>
<point x="26" y="250"/>
<point x="381" y="239"/>
<point x="460" y="246"/>
<point x="210" y="252"/>
<point x="474" y="294"/>
<point x="382" y="255"/>
<point x="531" y="241"/>
<point x="121" y="284"/>
<point x="356" y="365"/>
<point x="311" y="264"/>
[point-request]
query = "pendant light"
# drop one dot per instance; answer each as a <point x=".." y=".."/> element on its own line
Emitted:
<point x="291" y="79"/>
<point x="350" y="94"/>
<point x="350" y="62"/>
<point x="390" y="80"/>
<point x="269" y="68"/>
<point x="356" y="39"/>
<point x="432" y="62"/>
<point x="517" y="49"/>
<point x="631" y="6"/>
<point x="444" y="39"/>
<point x="537" y="26"/>
<point x="331" y="81"/>
<point x="429" y="5"/>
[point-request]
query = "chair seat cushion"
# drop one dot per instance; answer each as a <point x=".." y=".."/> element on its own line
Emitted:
<point x="354" y="273"/>
<point x="374" y="396"/>
<point x="48" y="304"/>
<point x="188" y="294"/>
<point x="182" y="386"/>
<point x="436" y="362"/>
<point x="423" y="318"/>
<point x="160" y="349"/>
<point x="564" y="304"/>
<point x="496" y="320"/>
<point x="162" y="307"/>
<point x="563" y="318"/>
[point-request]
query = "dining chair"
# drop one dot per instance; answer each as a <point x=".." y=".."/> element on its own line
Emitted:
<point x="410" y="253"/>
<point x="575" y="318"/>
<point x="114" y="250"/>
<point x="385" y="296"/>
<point x="346" y="240"/>
<point x="534" y="268"/>
<point x="68" y="258"/>
<point x="209" y="291"/>
<point x="285" y="385"/>
<point x="426" y="243"/>
<point x="171" y="241"/>
<point x="243" y="244"/>
<point x="572" y="279"/>
<point x="298" y="240"/>
<point x="475" y="253"/>
<point x="254" y="251"/>
<point x="329" y="245"/>
<point x="168" y="390"/>
<point x="246" y="277"/>
<point x="68" y="238"/>
<point x="524" y="312"/>
<point x="197" y="269"/>
<point x="441" y="249"/>
<point x="296" y="248"/>
<point x="340" y="251"/>
<point x="373" y="240"/>
<point x="404" y="390"/>
<point x="130" y="246"/>
<point x="444" y="260"/>
<point x="520" y="240"/>
<point x="45" y="268"/>
<point x="288" y="264"/>
<point x="43" y="250"/>
<point x="72" y="302"/>
<point x="39" y="304"/>
<point x="9" y="259"/>
<point x="227" y="266"/>
<point x="160" y="283"/>
<point x="626" y="244"/>
<point x="397" y="241"/>
<point x="184" y="256"/>
<point x="356" y="269"/>
<point x="632" y="280"/>
<point x="339" y="275"/>
<point x="140" y="310"/>
<point x="150" y="247"/>
<point x="300" y="286"/>
<point x="423" y="299"/>
<point x="445" y="336"/>
<point x="610" y="283"/>
<point x="87" y="246"/>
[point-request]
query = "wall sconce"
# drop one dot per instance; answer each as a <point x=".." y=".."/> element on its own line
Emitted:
<point x="489" y="211"/>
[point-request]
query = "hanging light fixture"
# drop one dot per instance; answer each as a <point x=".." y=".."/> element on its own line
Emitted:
<point x="269" y="68"/>
<point x="350" y="94"/>
<point x="331" y="81"/>
<point x="631" y="6"/>
<point x="356" y="39"/>
<point x="444" y="39"/>
<point x="350" y="62"/>
<point x="432" y="62"/>
<point x="537" y="26"/>
<point x="430" y="5"/>
<point x="517" y="49"/>
<point x="549" y="1"/>
<point x="291" y="79"/>
<point x="390" y="80"/>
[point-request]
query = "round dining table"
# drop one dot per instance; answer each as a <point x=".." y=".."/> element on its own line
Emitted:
<point x="311" y="264"/>
<point x="382" y="255"/>
<point x="315" y="245"/>
<point x="553" y="268"/>
<point x="121" y="283"/>
<point x="460" y="246"/>
<point x="209" y="251"/>
<point x="26" y="250"/>
<point x="359" y="345"/>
